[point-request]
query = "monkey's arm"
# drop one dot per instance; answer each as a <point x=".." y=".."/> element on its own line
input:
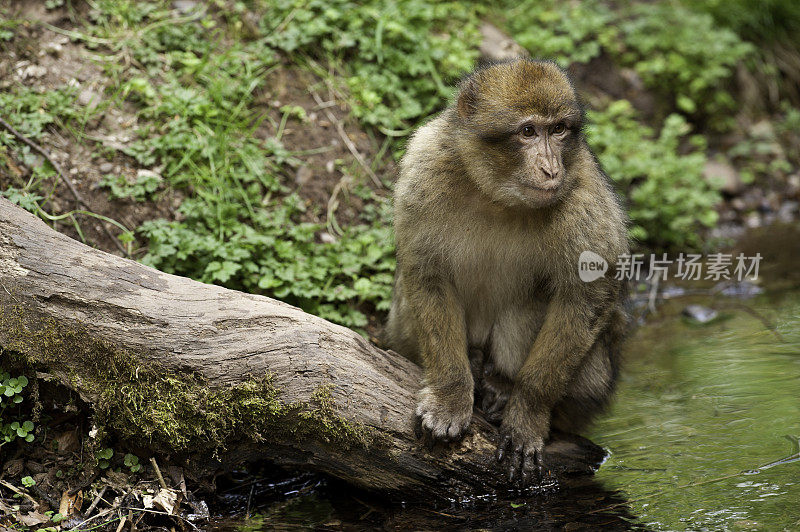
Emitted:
<point x="575" y="317"/>
<point x="444" y="410"/>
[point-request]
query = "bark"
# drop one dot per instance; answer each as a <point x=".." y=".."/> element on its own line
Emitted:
<point x="225" y="338"/>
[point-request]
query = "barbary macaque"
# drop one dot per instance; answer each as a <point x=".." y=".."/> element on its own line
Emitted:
<point x="496" y="200"/>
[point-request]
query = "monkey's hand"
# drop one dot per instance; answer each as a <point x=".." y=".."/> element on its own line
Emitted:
<point x="444" y="417"/>
<point x="522" y="437"/>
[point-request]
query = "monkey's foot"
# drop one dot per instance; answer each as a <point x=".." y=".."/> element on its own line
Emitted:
<point x="522" y="436"/>
<point x="524" y="456"/>
<point x="445" y="419"/>
<point x="495" y="391"/>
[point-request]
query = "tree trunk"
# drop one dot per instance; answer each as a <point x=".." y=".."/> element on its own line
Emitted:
<point x="218" y="377"/>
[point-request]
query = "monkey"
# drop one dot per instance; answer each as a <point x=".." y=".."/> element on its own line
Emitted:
<point x="496" y="199"/>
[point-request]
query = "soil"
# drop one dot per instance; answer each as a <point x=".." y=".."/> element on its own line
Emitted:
<point x="327" y="174"/>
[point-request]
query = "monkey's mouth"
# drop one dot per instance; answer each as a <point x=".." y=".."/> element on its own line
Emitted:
<point x="548" y="188"/>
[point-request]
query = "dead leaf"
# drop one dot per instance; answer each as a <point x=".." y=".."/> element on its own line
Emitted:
<point x="33" y="518"/>
<point x="70" y="503"/>
<point x="166" y="499"/>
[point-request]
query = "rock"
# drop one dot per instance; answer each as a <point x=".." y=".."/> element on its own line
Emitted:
<point x="752" y="198"/>
<point x="327" y="238"/>
<point x="753" y="220"/>
<point x="700" y="314"/>
<point x="672" y="291"/>
<point x="88" y="98"/>
<point x="741" y="289"/>
<point x="53" y="47"/>
<point x="771" y="202"/>
<point x="31" y="71"/>
<point x="765" y="132"/>
<point x="788" y="212"/>
<point x="184" y="6"/>
<point x="793" y="185"/>
<point x="727" y="231"/>
<point x="497" y="46"/>
<point x="303" y="175"/>
<point x="763" y="129"/>
<point x="142" y="172"/>
<point x="106" y="168"/>
<point x="723" y="172"/>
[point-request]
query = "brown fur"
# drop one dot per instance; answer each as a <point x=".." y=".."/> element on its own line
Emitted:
<point x="490" y="223"/>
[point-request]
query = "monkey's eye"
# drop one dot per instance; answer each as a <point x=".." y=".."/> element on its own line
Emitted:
<point x="528" y="131"/>
<point x="559" y="128"/>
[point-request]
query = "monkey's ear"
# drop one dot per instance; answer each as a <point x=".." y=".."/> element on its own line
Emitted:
<point x="467" y="98"/>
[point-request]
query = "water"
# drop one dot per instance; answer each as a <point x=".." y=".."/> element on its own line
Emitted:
<point x="702" y="403"/>
<point x="703" y="434"/>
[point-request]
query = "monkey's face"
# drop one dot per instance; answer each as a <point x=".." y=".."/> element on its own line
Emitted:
<point x="521" y="129"/>
<point x="535" y="154"/>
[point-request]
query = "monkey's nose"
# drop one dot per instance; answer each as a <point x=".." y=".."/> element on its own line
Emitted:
<point x="550" y="172"/>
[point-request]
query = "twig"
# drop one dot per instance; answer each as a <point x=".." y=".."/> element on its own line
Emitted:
<point x="95" y="502"/>
<point x="284" y="22"/>
<point x="158" y="472"/>
<point x="249" y="500"/>
<point x="63" y="177"/>
<point x="19" y="491"/>
<point x="753" y="312"/>
<point x="333" y="204"/>
<point x="347" y="141"/>
<point x="122" y="522"/>
<point x="180" y="518"/>
<point x="651" y="300"/>
<point x="41" y="151"/>
<point x="99" y="514"/>
<point x="77" y="35"/>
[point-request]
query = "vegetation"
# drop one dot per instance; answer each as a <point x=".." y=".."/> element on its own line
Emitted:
<point x="397" y="57"/>
<point x="12" y="424"/>
<point x="198" y="86"/>
<point x="668" y="196"/>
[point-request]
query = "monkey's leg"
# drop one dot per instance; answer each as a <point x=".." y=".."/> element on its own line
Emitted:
<point x="591" y="389"/>
<point x="445" y="403"/>
<point x="399" y="334"/>
<point x="574" y="318"/>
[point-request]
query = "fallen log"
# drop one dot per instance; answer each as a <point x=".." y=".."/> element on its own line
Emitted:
<point x="218" y="377"/>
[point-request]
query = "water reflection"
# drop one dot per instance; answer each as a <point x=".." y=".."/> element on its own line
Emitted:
<point x="580" y="504"/>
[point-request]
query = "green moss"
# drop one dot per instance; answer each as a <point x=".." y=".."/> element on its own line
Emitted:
<point x="152" y="406"/>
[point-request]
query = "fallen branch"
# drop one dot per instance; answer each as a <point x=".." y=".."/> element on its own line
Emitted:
<point x="220" y="377"/>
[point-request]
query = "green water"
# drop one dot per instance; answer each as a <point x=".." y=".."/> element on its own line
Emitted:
<point x="699" y="403"/>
